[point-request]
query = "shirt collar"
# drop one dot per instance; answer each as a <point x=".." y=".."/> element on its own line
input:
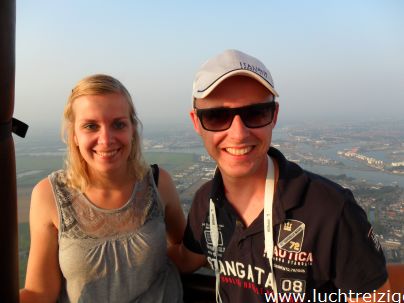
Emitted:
<point x="217" y="192"/>
<point x="290" y="188"/>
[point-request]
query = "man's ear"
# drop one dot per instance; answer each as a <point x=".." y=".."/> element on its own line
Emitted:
<point x="195" y="121"/>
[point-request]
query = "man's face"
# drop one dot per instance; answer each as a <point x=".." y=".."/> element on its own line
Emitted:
<point x="239" y="151"/>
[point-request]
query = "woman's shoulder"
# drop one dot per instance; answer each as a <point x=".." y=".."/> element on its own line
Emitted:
<point x="43" y="201"/>
<point x="44" y="190"/>
<point x="166" y="187"/>
<point x="43" y="187"/>
<point x="59" y="176"/>
<point x="165" y="181"/>
<point x="164" y="176"/>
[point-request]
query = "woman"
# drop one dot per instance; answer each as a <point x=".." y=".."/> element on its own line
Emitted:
<point x="98" y="228"/>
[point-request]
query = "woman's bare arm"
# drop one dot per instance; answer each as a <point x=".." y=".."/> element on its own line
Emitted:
<point x="174" y="216"/>
<point x="43" y="278"/>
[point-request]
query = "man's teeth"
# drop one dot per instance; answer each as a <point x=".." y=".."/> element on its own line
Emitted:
<point x="238" y="151"/>
<point x="107" y="154"/>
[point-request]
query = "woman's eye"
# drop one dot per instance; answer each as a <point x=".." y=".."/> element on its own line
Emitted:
<point x="119" y="124"/>
<point x="90" y="126"/>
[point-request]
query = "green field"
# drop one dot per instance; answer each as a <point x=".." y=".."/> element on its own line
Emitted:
<point x="45" y="164"/>
<point x="171" y="161"/>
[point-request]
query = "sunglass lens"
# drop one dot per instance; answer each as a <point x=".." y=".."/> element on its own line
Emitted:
<point x="253" y="116"/>
<point x="216" y="119"/>
<point x="258" y="116"/>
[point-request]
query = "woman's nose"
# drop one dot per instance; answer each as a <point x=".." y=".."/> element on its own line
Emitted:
<point x="106" y="136"/>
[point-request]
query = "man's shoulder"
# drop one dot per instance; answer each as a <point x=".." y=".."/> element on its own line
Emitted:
<point x="332" y="195"/>
<point x="321" y="181"/>
<point x="293" y="171"/>
<point x="297" y="183"/>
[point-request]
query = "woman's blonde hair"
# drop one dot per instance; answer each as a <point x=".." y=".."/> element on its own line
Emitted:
<point x="75" y="166"/>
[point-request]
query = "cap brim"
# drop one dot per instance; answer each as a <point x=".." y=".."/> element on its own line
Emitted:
<point x="238" y="72"/>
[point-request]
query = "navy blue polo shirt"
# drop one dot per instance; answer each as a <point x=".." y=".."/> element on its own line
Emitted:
<point x="322" y="239"/>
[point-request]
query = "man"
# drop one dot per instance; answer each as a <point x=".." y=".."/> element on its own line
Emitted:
<point x="266" y="226"/>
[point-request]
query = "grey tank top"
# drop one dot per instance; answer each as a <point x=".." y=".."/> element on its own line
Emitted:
<point x="114" y="255"/>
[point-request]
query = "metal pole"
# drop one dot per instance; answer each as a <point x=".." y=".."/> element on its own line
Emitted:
<point x="8" y="189"/>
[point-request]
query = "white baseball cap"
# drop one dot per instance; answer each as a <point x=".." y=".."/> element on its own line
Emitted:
<point x="227" y="64"/>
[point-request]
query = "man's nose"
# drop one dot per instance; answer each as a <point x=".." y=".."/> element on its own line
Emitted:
<point x="237" y="128"/>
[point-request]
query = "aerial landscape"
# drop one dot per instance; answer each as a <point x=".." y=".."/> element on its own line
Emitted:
<point x="367" y="158"/>
<point x="337" y="66"/>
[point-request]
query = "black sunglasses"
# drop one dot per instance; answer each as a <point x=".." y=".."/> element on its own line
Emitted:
<point x="220" y="118"/>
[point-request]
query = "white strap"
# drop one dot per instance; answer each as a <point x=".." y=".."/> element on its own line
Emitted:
<point x="214" y="236"/>
<point x="268" y="224"/>
<point x="268" y="230"/>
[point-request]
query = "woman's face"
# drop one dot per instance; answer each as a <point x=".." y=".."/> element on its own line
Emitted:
<point x="103" y="132"/>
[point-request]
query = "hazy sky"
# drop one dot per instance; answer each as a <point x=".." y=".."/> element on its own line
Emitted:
<point x="329" y="59"/>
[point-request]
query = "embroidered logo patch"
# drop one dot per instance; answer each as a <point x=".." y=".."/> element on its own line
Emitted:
<point x="291" y="235"/>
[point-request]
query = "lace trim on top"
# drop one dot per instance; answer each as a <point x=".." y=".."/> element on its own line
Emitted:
<point x="81" y="219"/>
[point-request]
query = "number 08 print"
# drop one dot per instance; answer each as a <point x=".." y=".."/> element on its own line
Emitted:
<point x="293" y="285"/>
